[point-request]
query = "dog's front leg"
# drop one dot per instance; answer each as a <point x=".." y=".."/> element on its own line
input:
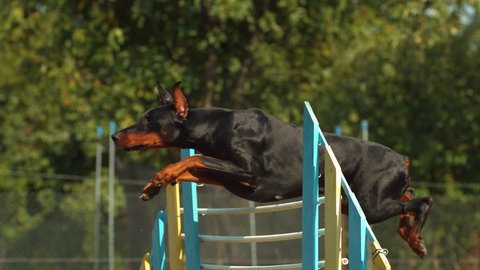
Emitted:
<point x="171" y="173"/>
<point x="151" y="190"/>
<point x="198" y="169"/>
<point x="186" y="170"/>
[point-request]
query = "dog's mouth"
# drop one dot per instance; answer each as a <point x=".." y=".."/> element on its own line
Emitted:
<point x="136" y="147"/>
<point x="141" y="147"/>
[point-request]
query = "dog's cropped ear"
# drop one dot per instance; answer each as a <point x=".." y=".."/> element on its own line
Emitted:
<point x="180" y="101"/>
<point x="163" y="95"/>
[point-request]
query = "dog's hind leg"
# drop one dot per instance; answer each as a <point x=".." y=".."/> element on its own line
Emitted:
<point x="407" y="207"/>
<point x="405" y="226"/>
<point x="419" y="208"/>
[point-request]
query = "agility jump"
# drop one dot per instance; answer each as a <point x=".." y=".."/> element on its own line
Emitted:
<point x="359" y="230"/>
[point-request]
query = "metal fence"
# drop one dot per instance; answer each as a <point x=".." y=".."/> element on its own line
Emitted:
<point x="45" y="230"/>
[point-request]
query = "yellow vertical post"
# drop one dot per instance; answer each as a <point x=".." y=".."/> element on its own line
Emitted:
<point x="333" y="243"/>
<point x="145" y="262"/>
<point x="175" y="250"/>
<point x="380" y="261"/>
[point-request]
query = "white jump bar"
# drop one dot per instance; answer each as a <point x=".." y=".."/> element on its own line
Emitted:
<point x="294" y="266"/>
<point x="255" y="209"/>
<point x="253" y="238"/>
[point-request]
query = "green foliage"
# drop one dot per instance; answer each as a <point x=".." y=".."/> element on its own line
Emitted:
<point x="79" y="207"/>
<point x="409" y="67"/>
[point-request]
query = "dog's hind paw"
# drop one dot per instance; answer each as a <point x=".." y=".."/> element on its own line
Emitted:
<point x="418" y="246"/>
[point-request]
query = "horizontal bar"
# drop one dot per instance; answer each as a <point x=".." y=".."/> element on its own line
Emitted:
<point x="294" y="266"/>
<point x="254" y="238"/>
<point x="254" y="210"/>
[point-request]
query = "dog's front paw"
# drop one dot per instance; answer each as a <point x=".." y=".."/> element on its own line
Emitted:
<point x="150" y="191"/>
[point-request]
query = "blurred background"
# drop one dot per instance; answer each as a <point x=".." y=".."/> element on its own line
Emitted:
<point x="410" y="68"/>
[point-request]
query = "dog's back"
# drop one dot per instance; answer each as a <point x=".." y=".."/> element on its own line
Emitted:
<point x="269" y="149"/>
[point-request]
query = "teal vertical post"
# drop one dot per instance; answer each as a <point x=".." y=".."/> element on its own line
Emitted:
<point x="98" y="198"/>
<point x="111" y="200"/>
<point x="310" y="190"/>
<point x="252" y="220"/>
<point x="357" y="230"/>
<point x="158" y="255"/>
<point x="338" y="130"/>
<point x="364" y="126"/>
<point x="357" y="233"/>
<point x="190" y="220"/>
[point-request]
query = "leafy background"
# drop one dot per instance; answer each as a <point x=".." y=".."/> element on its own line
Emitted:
<point x="408" y="67"/>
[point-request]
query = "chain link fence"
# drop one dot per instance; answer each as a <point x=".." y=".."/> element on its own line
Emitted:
<point x="45" y="230"/>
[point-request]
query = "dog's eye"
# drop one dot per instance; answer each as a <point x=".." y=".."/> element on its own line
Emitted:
<point x="146" y="118"/>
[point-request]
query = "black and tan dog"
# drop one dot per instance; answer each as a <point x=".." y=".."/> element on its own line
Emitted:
<point x="259" y="158"/>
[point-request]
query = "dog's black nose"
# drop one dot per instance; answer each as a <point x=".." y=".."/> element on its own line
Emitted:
<point x="115" y="136"/>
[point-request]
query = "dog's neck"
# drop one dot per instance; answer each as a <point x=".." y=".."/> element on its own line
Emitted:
<point x="197" y="130"/>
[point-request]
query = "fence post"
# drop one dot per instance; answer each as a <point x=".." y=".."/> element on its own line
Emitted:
<point x="111" y="201"/>
<point x="98" y="190"/>
<point x="364" y="126"/>
<point x="252" y="220"/>
<point x="338" y="130"/>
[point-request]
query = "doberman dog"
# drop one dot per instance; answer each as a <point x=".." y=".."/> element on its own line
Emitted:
<point x="259" y="157"/>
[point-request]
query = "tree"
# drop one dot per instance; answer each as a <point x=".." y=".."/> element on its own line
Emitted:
<point x="410" y="68"/>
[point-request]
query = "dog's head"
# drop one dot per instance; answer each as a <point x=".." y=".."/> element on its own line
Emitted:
<point x="158" y="127"/>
